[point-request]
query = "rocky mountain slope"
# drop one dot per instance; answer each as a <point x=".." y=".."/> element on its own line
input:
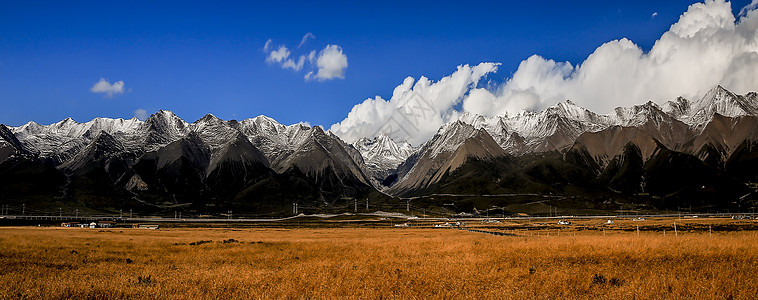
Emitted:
<point x="167" y="163"/>
<point x="679" y="153"/>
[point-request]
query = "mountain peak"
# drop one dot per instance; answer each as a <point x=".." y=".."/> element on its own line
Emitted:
<point x="66" y="121"/>
<point x="721" y="101"/>
<point x="208" y="118"/>
<point x="165" y="115"/>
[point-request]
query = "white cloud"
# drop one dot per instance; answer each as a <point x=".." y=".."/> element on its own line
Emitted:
<point x="655" y="14"/>
<point x="331" y="63"/>
<point x="281" y="56"/>
<point x="105" y="87"/>
<point x="140" y="113"/>
<point x="750" y="7"/>
<point x="278" y="55"/>
<point x="707" y="46"/>
<point x="267" y="46"/>
<point x="416" y="109"/>
<point x="305" y="39"/>
<point x="295" y="66"/>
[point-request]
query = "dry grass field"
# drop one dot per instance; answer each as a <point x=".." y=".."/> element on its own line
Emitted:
<point x="73" y="263"/>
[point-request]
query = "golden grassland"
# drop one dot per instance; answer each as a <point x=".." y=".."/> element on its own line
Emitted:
<point x="73" y="263"/>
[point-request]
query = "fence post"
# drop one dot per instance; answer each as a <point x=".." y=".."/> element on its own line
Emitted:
<point x="676" y="233"/>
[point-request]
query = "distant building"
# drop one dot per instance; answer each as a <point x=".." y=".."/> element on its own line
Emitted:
<point x="106" y="224"/>
<point x="146" y="226"/>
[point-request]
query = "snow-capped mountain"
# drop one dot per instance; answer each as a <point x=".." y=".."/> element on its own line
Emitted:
<point x="60" y="141"/>
<point x="382" y="155"/>
<point x="165" y="161"/>
<point x="452" y="146"/>
<point x="556" y="127"/>
<point x="275" y="140"/>
<point x="168" y="161"/>
<point x="720" y="101"/>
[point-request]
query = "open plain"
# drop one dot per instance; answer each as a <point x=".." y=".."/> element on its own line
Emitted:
<point x="704" y="259"/>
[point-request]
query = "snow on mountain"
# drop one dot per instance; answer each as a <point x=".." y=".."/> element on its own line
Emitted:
<point x="679" y="108"/>
<point x="452" y="145"/>
<point x="719" y="100"/>
<point x="102" y="146"/>
<point x="382" y="155"/>
<point x="213" y="131"/>
<point x="275" y="140"/>
<point x="554" y="128"/>
<point x="60" y="141"/>
<point x="163" y="128"/>
<point x="310" y="149"/>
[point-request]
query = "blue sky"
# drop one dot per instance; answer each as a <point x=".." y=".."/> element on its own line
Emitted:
<point x="195" y="58"/>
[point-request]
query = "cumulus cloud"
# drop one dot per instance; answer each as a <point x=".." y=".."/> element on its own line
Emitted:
<point x="331" y="63"/>
<point x="141" y="114"/>
<point x="416" y="109"/>
<point x="105" y="87"/>
<point x="305" y="39"/>
<point x="706" y="47"/>
<point x="655" y="14"/>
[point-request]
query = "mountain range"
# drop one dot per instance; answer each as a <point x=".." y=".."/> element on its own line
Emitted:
<point x="655" y="157"/>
